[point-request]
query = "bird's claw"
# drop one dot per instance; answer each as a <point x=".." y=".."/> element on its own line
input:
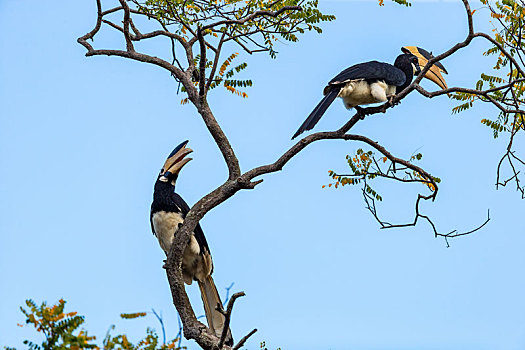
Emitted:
<point x="360" y="111"/>
<point x="391" y="101"/>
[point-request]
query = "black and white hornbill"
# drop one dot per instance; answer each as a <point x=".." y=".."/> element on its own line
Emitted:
<point x="168" y="211"/>
<point x="366" y="83"/>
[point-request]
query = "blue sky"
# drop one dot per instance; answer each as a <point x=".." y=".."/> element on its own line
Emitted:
<point x="82" y="139"/>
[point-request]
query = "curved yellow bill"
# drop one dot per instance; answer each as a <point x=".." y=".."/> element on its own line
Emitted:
<point x="434" y="73"/>
<point x="176" y="160"/>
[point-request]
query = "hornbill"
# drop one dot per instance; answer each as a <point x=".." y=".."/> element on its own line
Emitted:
<point x="365" y="83"/>
<point x="168" y="212"/>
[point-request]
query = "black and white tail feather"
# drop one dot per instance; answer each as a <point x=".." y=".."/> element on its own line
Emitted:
<point x="211" y="301"/>
<point x="318" y="112"/>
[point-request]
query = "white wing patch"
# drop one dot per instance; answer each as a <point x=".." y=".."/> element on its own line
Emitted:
<point x="378" y="91"/>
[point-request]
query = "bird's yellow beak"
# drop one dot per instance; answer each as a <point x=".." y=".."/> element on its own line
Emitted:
<point x="434" y="73"/>
<point x="176" y="160"/>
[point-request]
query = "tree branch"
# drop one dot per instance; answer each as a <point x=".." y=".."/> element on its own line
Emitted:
<point x="227" y="317"/>
<point x="202" y="66"/>
<point x="253" y="16"/>
<point x="244" y="339"/>
<point x="370" y="203"/>
<point x="129" y="44"/>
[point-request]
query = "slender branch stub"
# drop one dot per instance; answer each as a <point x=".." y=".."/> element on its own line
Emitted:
<point x="227" y="316"/>
<point x="244" y="339"/>
<point x="202" y="64"/>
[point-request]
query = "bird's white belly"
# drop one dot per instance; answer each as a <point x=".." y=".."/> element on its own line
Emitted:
<point x="359" y="92"/>
<point x="166" y="225"/>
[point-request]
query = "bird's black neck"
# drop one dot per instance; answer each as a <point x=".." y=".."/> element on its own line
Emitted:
<point x="403" y="63"/>
<point x="165" y="199"/>
<point x="409" y="73"/>
<point x="163" y="191"/>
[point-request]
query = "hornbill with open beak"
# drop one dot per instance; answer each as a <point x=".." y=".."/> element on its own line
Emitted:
<point x="168" y="212"/>
<point x="366" y="83"/>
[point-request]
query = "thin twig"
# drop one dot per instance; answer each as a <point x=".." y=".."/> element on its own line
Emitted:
<point x="227" y="317"/>
<point x="244" y="339"/>
<point x="159" y="318"/>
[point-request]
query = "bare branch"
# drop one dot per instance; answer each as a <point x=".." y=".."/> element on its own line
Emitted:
<point x="244" y="339"/>
<point x="161" y="321"/>
<point x="83" y="39"/>
<point x="227" y="317"/>
<point x="202" y="66"/>
<point x="371" y="206"/>
<point x="216" y="61"/>
<point x="129" y="44"/>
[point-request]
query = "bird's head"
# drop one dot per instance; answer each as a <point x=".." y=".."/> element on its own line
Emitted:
<point x="434" y="73"/>
<point x="176" y="160"/>
<point x="408" y="63"/>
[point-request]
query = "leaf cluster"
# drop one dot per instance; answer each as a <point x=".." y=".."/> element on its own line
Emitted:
<point x="400" y="2"/>
<point x="225" y="77"/>
<point x="506" y="85"/>
<point x="233" y="20"/>
<point x="365" y="166"/>
<point x="217" y="25"/>
<point x="262" y="346"/>
<point x="149" y="342"/>
<point x="62" y="331"/>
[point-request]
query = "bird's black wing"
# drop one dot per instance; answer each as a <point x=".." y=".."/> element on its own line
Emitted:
<point x="371" y="71"/>
<point x="151" y="220"/>
<point x="197" y="232"/>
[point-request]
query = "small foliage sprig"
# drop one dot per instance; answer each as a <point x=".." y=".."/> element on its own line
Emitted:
<point x="225" y="76"/>
<point x="366" y="166"/>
